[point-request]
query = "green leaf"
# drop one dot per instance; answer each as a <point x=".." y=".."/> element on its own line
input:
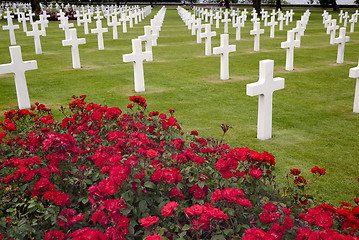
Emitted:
<point x="218" y="237"/>
<point x="143" y="206"/>
<point x="228" y="232"/>
<point x="150" y="185"/>
<point x="185" y="228"/>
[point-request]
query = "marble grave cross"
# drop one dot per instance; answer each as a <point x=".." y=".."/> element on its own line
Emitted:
<point x="224" y="49"/>
<point x="341" y="40"/>
<point x="11" y="27"/>
<point x="265" y="88"/>
<point x="19" y="67"/>
<point x="36" y="33"/>
<point x="290" y="44"/>
<point x="99" y="30"/>
<point x="74" y="42"/>
<point x="256" y="32"/>
<point x="207" y="34"/>
<point x="354" y="73"/>
<point x="137" y="57"/>
<point x="148" y="38"/>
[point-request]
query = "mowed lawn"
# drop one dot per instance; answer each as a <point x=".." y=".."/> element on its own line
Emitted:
<point x="313" y="121"/>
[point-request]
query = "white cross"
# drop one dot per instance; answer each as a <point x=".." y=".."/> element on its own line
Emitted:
<point x="23" y="19"/>
<point x="36" y="33"/>
<point x="43" y="22"/>
<point x="148" y="38"/>
<point x="327" y="20"/>
<point x="156" y="31"/>
<point x="341" y="40"/>
<point x="353" y="20"/>
<point x="11" y="27"/>
<point x="114" y="23"/>
<point x="256" y="32"/>
<point x="354" y="73"/>
<point x="217" y="17"/>
<point x="8" y="14"/>
<point x="124" y="19"/>
<point x="265" y="88"/>
<point x="346" y="16"/>
<point x="291" y="13"/>
<point x="78" y="15"/>
<point x="74" y="42"/>
<point x="281" y="19"/>
<point x="272" y="25"/>
<point x="290" y="44"/>
<point x="224" y="49"/>
<point x="341" y="14"/>
<point x="238" y="26"/>
<point x="19" y="67"/>
<point x="211" y="15"/>
<point x="265" y="17"/>
<point x="299" y="30"/>
<point x="137" y="57"/>
<point x="130" y="17"/>
<point x="332" y="28"/>
<point x="226" y="20"/>
<point x="30" y="14"/>
<point x="86" y="20"/>
<point x="65" y="25"/>
<point x="287" y="15"/>
<point x="98" y="15"/>
<point x="99" y="30"/>
<point x="208" y="36"/>
<point x="255" y="18"/>
<point x="61" y="16"/>
<point x="198" y="29"/>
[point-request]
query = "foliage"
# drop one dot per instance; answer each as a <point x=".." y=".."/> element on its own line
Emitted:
<point x="101" y="174"/>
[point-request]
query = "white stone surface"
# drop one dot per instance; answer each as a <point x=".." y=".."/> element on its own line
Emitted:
<point x="11" y="27"/>
<point x="226" y="20"/>
<point x="265" y="88"/>
<point x="332" y="28"/>
<point x="148" y="39"/>
<point x="238" y="25"/>
<point x="99" y="30"/>
<point x="256" y="32"/>
<point x="224" y="49"/>
<point x="207" y="35"/>
<point x="290" y="44"/>
<point x="272" y="25"/>
<point x="114" y="24"/>
<point x="19" y="67"/>
<point x="341" y="40"/>
<point x="74" y="42"/>
<point x="137" y="57"/>
<point x="36" y="33"/>
<point x="354" y="73"/>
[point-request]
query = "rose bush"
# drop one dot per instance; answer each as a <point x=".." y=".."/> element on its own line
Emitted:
<point x="102" y="174"/>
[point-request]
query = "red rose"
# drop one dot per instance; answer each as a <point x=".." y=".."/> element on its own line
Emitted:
<point x="195" y="210"/>
<point x="256" y="173"/>
<point x="244" y="202"/>
<point x="167" y="210"/>
<point x="318" y="170"/>
<point x="147" y="222"/>
<point x="269" y="207"/>
<point x="152" y="153"/>
<point x="153" y="237"/>
<point x="216" y="196"/>
<point x="295" y="172"/>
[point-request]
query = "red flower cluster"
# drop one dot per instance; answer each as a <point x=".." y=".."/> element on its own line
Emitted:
<point x="321" y="171"/>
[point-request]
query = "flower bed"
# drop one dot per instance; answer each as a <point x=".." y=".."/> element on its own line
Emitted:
<point x="101" y="174"/>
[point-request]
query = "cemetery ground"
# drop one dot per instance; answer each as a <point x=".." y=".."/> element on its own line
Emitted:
<point x="313" y="119"/>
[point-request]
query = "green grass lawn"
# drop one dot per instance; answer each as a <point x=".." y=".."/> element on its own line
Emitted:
<point x="313" y="122"/>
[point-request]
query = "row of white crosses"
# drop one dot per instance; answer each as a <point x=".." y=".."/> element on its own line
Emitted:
<point x="138" y="56"/>
<point x="331" y="26"/>
<point x="223" y="50"/>
<point x="293" y="40"/>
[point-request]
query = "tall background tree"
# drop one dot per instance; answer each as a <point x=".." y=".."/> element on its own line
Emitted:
<point x="257" y="5"/>
<point x="35" y="5"/>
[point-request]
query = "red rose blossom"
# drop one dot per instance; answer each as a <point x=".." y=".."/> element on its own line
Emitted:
<point x="150" y="220"/>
